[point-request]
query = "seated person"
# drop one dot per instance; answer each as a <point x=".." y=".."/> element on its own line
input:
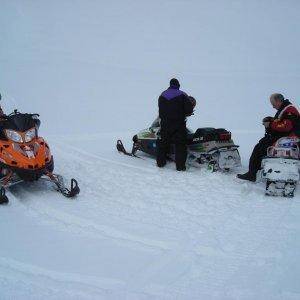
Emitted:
<point x="286" y="122"/>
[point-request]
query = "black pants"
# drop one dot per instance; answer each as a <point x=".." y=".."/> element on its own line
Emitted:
<point x="258" y="153"/>
<point x="176" y="135"/>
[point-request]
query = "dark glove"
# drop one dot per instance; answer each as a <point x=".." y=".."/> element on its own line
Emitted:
<point x="193" y="101"/>
<point x="267" y="119"/>
<point x="191" y="106"/>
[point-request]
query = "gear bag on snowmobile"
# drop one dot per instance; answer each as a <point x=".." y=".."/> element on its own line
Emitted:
<point x="209" y="134"/>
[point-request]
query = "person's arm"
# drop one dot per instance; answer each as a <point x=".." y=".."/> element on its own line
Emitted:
<point x="282" y="125"/>
<point x="159" y="107"/>
<point x="188" y="106"/>
<point x="287" y="123"/>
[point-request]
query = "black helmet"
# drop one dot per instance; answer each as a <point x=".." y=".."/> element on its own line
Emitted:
<point x="174" y="83"/>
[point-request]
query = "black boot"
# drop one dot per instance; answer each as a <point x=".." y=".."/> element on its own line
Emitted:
<point x="183" y="168"/>
<point x="247" y="176"/>
<point x="161" y="164"/>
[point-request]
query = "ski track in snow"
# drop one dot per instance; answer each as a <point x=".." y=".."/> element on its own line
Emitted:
<point x="33" y="277"/>
<point x="212" y="238"/>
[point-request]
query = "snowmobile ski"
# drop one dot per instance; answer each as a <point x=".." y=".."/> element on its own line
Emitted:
<point x="58" y="180"/>
<point x="121" y="149"/>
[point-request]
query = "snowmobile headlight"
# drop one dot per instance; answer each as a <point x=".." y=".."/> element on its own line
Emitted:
<point x="14" y="136"/>
<point x="30" y="135"/>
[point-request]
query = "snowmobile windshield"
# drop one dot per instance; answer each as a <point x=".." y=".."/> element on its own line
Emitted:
<point x="156" y="123"/>
<point x="21" y="122"/>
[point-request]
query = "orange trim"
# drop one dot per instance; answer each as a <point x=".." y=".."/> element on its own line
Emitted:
<point x="12" y="154"/>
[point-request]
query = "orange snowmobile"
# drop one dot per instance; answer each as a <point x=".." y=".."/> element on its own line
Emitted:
<point x="24" y="156"/>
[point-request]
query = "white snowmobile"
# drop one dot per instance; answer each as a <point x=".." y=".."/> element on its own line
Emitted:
<point x="281" y="167"/>
<point x="210" y="146"/>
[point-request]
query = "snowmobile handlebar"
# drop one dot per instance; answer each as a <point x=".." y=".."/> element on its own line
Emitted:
<point x="6" y="117"/>
<point x="16" y="112"/>
<point x="34" y="115"/>
<point x="267" y="119"/>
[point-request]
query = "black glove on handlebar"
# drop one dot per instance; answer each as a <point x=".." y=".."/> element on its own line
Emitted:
<point x="267" y="119"/>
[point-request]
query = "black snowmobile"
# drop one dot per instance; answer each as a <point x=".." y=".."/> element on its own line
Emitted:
<point x="212" y="147"/>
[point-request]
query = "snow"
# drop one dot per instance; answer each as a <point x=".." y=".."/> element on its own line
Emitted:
<point x="93" y="70"/>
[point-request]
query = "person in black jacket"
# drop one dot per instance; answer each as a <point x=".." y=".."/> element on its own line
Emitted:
<point x="174" y="106"/>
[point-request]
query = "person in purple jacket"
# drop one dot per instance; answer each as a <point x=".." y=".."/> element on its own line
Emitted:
<point x="174" y="106"/>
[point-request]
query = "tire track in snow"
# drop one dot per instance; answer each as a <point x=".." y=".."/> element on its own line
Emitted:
<point x="169" y="210"/>
<point x="21" y="270"/>
<point x="100" y="158"/>
<point x="83" y="226"/>
<point x="150" y="272"/>
<point x="87" y="227"/>
<point x="179" y="251"/>
<point x="189" y="217"/>
<point x="17" y="276"/>
<point x="245" y="192"/>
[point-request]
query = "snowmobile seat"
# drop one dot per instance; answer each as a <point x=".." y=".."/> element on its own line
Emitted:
<point x="208" y="134"/>
<point x="156" y="123"/>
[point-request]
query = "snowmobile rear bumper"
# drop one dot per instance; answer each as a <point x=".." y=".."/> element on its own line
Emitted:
<point x="280" y="169"/>
<point x="281" y="175"/>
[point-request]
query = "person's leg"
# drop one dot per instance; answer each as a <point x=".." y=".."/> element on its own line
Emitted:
<point x="258" y="153"/>
<point x="163" y="145"/>
<point x="180" y="139"/>
<point x="180" y="156"/>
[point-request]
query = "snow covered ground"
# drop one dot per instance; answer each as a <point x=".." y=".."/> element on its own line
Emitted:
<point x="136" y="232"/>
<point x="93" y="70"/>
